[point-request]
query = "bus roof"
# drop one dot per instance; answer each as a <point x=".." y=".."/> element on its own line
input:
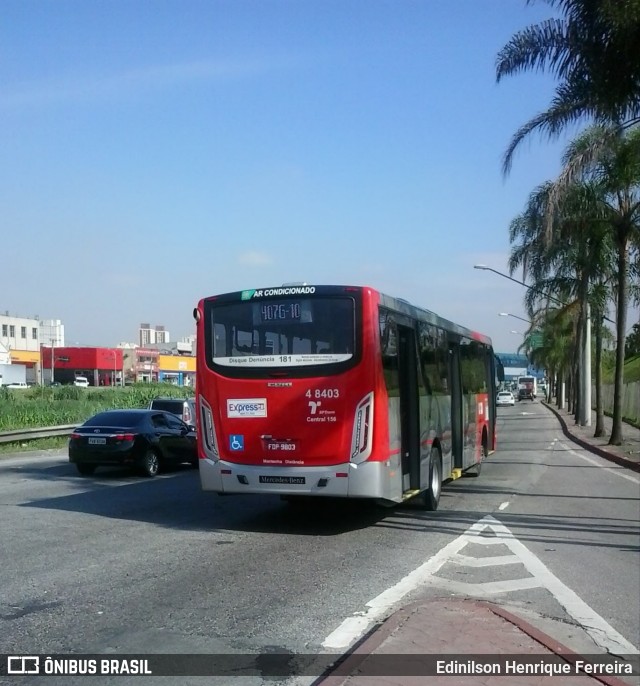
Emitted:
<point x="396" y="304"/>
<point x="401" y="305"/>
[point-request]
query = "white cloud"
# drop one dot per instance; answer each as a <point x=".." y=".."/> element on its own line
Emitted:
<point x="131" y="82"/>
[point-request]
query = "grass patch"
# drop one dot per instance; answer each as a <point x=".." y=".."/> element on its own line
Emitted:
<point x="631" y="368"/>
<point x="44" y="406"/>
<point x="55" y="443"/>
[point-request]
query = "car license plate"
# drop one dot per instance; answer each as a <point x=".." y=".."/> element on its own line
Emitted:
<point x="282" y="480"/>
<point x="97" y="441"/>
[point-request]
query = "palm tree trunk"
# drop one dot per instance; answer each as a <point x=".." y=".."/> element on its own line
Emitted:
<point x="584" y="388"/>
<point x="600" y="430"/>
<point x="560" y="388"/>
<point x="621" y="327"/>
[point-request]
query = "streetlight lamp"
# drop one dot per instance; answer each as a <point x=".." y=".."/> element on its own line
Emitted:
<point x="522" y="283"/>
<point x="585" y="385"/>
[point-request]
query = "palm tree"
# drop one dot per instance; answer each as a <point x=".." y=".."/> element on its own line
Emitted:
<point x="556" y="351"/>
<point x="569" y="261"/>
<point x="592" y="50"/>
<point x="615" y="171"/>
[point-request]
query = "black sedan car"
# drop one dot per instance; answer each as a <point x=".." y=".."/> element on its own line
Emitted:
<point x="142" y="439"/>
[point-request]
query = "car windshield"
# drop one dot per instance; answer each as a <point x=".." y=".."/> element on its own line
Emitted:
<point x="115" y="418"/>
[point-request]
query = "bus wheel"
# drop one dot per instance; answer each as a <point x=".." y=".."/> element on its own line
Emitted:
<point x="430" y="498"/>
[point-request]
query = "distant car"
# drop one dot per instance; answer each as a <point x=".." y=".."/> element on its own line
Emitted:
<point x="81" y="382"/>
<point x="145" y="440"/>
<point x="185" y="408"/>
<point x="505" y="398"/>
<point x="17" y="384"/>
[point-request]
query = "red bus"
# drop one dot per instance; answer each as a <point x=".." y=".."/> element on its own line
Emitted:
<point x="341" y="391"/>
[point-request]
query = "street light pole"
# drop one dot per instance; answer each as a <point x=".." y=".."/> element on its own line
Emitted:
<point x="586" y="377"/>
<point x="484" y="267"/>
<point x="585" y="385"/>
<point x="115" y="362"/>
<point x="515" y="316"/>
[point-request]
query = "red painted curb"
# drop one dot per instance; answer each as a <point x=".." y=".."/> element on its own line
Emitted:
<point x="550" y="643"/>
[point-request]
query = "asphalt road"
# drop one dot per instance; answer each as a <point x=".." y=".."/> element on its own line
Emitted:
<point x="117" y="564"/>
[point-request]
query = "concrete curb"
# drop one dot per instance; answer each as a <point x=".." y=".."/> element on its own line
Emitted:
<point x="368" y="644"/>
<point x="618" y="459"/>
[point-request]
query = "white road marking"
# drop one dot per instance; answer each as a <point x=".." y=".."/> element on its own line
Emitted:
<point x="601" y="632"/>
<point x="354" y="627"/>
<point x="503" y="506"/>
<point x="617" y="472"/>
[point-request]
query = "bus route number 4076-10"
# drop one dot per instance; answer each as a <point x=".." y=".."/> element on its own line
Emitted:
<point x="322" y="393"/>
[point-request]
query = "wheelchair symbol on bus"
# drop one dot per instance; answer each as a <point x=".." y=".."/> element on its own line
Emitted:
<point x="236" y="442"/>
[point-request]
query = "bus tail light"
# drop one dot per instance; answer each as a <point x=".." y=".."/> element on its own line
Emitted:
<point x="362" y="437"/>
<point x="207" y="431"/>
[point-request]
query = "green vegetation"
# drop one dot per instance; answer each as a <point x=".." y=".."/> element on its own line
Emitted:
<point x="578" y="240"/>
<point x="631" y="369"/>
<point x="56" y="443"/>
<point x="43" y="406"/>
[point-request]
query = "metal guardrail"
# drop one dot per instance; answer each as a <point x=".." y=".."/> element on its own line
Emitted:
<point x="30" y="434"/>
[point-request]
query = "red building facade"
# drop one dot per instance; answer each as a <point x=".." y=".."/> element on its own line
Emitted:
<point x="101" y="366"/>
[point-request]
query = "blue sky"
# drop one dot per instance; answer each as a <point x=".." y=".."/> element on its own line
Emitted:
<point x="157" y="152"/>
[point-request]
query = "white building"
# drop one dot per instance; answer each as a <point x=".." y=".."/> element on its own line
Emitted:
<point x="5" y="357"/>
<point x="52" y="333"/>
<point x="150" y="335"/>
<point x="20" y="333"/>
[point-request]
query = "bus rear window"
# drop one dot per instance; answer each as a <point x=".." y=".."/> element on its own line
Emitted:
<point x="274" y="333"/>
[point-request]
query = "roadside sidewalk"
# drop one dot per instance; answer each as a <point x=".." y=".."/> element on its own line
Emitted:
<point x="626" y="455"/>
<point x="456" y="635"/>
<point x="466" y="634"/>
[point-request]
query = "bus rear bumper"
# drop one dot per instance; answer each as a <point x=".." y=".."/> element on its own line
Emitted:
<point x="366" y="480"/>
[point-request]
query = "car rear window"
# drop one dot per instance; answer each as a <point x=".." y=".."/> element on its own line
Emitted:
<point x="174" y="406"/>
<point x="116" y="418"/>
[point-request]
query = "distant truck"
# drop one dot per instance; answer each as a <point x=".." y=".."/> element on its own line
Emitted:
<point x="12" y="373"/>
<point x="527" y="388"/>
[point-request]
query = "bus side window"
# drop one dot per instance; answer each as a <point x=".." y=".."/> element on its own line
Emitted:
<point x="433" y="361"/>
<point x="473" y="366"/>
<point x="389" y="349"/>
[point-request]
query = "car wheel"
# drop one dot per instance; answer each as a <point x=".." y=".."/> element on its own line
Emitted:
<point x="150" y="463"/>
<point x="85" y="469"/>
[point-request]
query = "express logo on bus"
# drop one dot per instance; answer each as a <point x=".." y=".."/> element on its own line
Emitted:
<point x="248" y="407"/>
